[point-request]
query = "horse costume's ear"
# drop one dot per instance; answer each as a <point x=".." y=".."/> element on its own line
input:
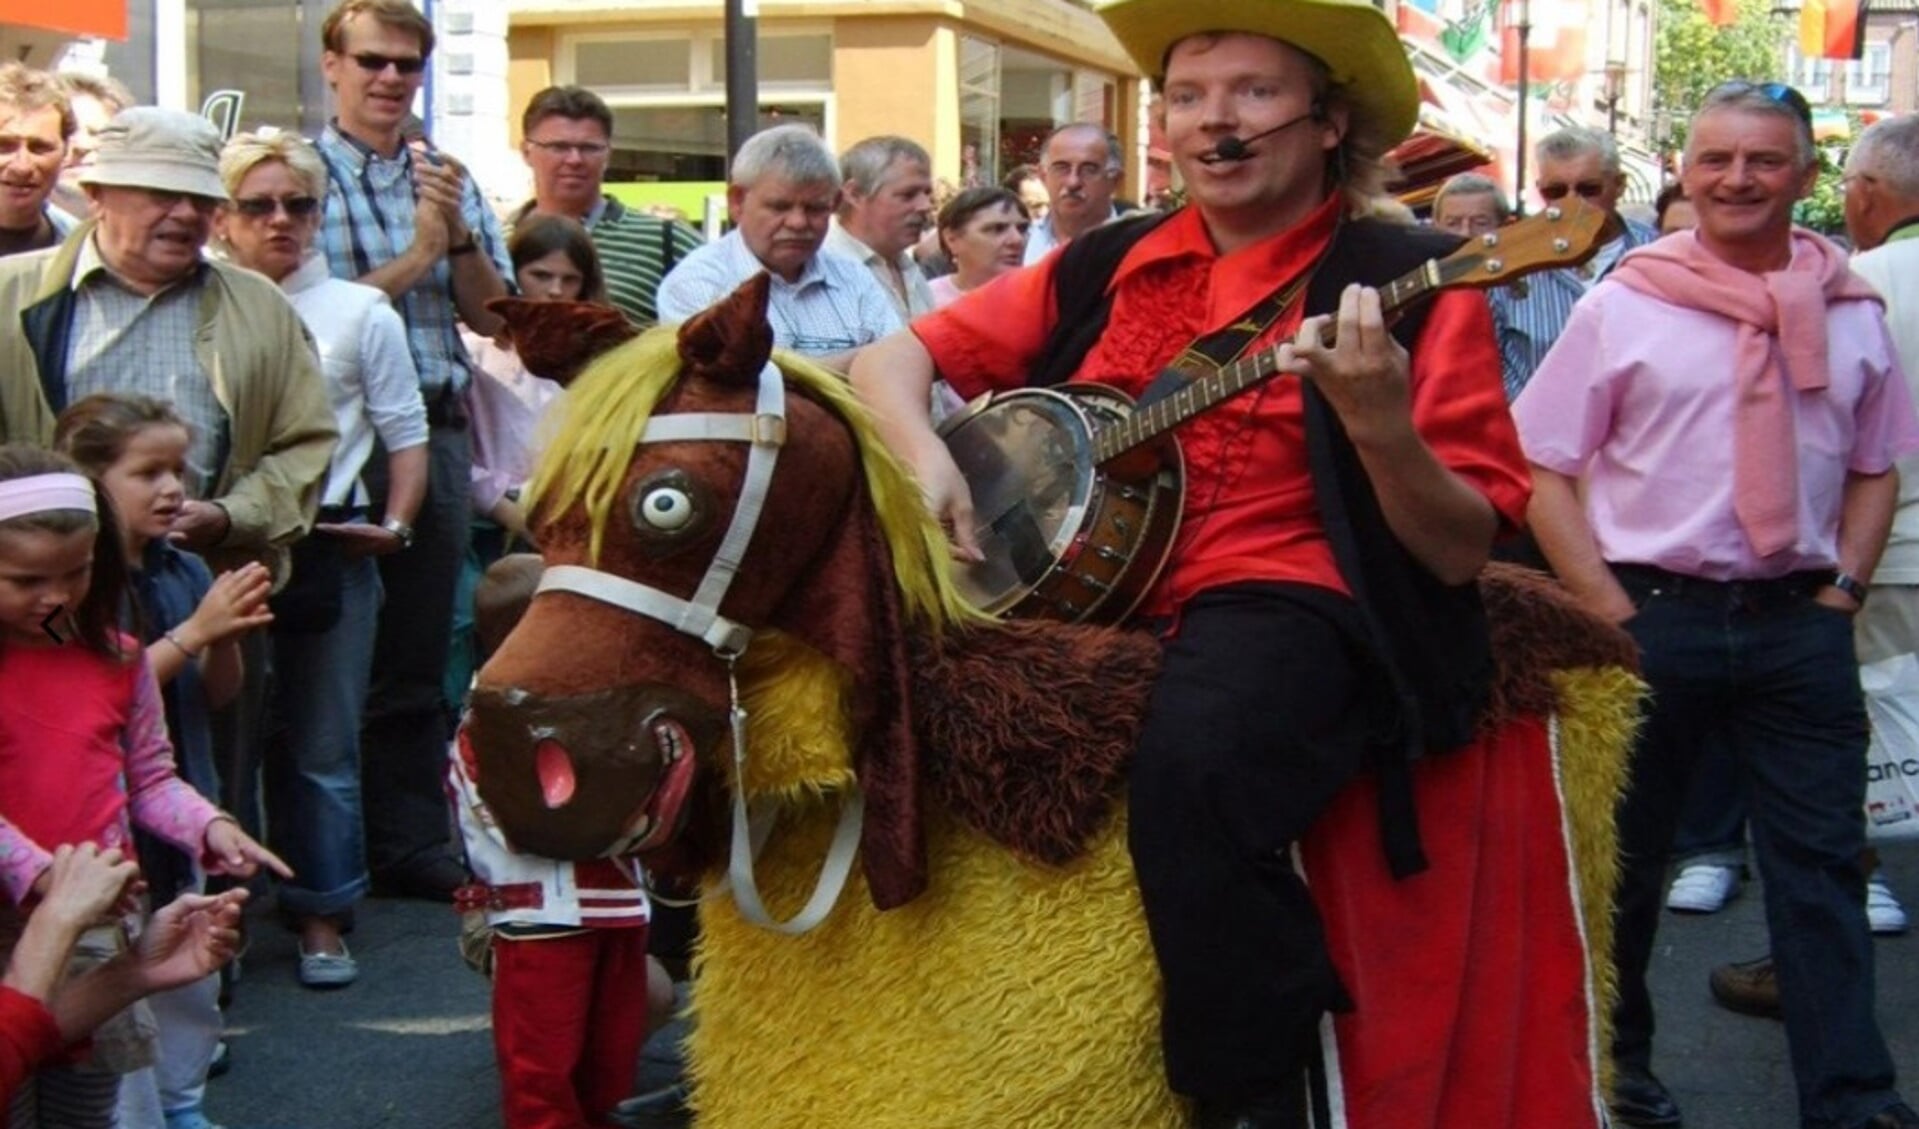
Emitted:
<point x="730" y="341"/>
<point x="557" y="339"/>
<point x="852" y="613"/>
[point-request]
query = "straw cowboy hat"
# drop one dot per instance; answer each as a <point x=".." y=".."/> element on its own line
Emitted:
<point x="1354" y="39"/>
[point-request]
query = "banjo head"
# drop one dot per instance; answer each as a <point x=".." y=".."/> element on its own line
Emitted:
<point x="1027" y="457"/>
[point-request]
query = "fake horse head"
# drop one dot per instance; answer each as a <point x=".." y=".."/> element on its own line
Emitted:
<point x="704" y="507"/>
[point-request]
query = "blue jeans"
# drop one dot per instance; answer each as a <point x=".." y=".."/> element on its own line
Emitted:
<point x="313" y="764"/>
<point x="1773" y="677"/>
<point x="1712" y="825"/>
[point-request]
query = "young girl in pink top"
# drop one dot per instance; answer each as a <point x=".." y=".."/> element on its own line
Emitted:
<point x="83" y="747"/>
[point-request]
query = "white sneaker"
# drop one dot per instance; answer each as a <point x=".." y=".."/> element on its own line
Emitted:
<point x="1703" y="887"/>
<point x="1887" y="916"/>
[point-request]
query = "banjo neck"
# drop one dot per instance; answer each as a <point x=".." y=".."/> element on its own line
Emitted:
<point x="1561" y="235"/>
<point x="1207" y="391"/>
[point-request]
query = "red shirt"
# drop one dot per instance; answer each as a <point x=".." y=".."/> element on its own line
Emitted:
<point x="1250" y="513"/>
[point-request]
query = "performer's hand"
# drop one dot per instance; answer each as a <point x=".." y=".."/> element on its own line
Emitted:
<point x="1364" y="374"/>
<point x="948" y="498"/>
<point x="189" y="938"/>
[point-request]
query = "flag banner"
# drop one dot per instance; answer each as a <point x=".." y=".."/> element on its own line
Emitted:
<point x="1832" y="29"/>
<point x="1556" y="47"/>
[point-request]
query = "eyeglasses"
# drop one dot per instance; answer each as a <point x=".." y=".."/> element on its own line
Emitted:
<point x="373" y="63"/>
<point x="1060" y="170"/>
<point x="263" y="207"/>
<point x="1776" y="91"/>
<point x="585" y="150"/>
<point x="1587" y="190"/>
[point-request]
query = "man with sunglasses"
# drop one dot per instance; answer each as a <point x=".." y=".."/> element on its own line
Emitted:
<point x="405" y="219"/>
<point x="128" y="304"/>
<point x="1529" y="314"/>
<point x="1713" y="441"/>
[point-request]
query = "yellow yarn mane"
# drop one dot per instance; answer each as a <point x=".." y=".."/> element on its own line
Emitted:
<point x="606" y="410"/>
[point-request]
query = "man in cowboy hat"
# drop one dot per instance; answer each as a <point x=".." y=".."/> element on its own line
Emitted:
<point x="1277" y="683"/>
<point x="128" y="304"/>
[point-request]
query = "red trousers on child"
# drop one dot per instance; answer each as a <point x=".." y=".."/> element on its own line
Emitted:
<point x="569" y="1018"/>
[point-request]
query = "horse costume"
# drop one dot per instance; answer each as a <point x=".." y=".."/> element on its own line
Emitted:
<point x="986" y="962"/>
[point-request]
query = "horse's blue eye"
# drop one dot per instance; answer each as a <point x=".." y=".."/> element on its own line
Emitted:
<point x="666" y="508"/>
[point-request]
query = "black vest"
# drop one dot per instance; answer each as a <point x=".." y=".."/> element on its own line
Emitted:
<point x="1430" y="638"/>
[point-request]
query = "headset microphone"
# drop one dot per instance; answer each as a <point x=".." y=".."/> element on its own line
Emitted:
<point x="1241" y="148"/>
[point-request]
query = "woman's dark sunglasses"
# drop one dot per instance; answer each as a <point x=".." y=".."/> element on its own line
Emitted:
<point x="260" y="207"/>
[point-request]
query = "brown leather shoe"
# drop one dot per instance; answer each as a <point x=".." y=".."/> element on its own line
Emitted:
<point x="1749" y="987"/>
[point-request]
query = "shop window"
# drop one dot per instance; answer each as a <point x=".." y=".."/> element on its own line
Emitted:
<point x="643" y="64"/>
<point x="783" y="60"/>
<point x="979" y="106"/>
<point x="687" y="142"/>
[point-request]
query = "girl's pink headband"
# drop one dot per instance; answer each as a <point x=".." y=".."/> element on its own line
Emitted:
<point x="42" y="493"/>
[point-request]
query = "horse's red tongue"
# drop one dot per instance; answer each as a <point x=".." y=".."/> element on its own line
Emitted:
<point x="555" y="770"/>
<point x="668" y="798"/>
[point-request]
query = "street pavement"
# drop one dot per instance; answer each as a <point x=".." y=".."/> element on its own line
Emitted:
<point x="408" y="1045"/>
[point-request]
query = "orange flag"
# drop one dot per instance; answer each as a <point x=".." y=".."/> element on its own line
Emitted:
<point x="1721" y="13"/>
<point x="1832" y="29"/>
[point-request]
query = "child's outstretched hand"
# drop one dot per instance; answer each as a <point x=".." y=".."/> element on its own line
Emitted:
<point x="189" y="938"/>
<point x="236" y="603"/>
<point x="235" y="852"/>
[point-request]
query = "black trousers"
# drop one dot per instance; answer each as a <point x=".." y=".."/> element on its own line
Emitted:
<point x="403" y="737"/>
<point x="1260" y="715"/>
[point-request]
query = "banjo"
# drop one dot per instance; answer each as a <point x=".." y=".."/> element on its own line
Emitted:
<point x="1078" y="491"/>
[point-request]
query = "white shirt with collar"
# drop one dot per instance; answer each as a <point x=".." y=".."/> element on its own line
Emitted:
<point x="1041" y="237"/>
<point x="835" y="304"/>
<point x="918" y="298"/>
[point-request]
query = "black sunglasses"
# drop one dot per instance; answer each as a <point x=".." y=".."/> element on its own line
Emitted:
<point x="1587" y="189"/>
<point x="261" y="207"/>
<point x="1776" y="91"/>
<point x="373" y="63"/>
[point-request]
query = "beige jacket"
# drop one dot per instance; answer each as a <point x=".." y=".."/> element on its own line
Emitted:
<point x="265" y="373"/>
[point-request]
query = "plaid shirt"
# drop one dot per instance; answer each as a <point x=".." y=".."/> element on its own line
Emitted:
<point x="135" y="345"/>
<point x="369" y="222"/>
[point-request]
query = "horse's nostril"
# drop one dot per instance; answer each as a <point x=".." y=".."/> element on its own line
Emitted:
<point x="555" y="770"/>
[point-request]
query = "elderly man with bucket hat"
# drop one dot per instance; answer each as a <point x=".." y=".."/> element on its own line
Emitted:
<point x="1387" y="468"/>
<point x="128" y="304"/>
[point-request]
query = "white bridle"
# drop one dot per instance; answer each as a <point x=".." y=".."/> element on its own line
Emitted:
<point x="764" y="430"/>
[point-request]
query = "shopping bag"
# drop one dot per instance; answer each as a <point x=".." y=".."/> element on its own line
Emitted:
<point x="1892" y="760"/>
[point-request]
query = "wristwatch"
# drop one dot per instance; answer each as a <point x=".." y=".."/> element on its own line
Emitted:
<point x="1849" y="584"/>
<point x="471" y="245"/>
<point x="399" y="529"/>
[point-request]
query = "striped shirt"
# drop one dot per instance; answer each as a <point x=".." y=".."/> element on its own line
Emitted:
<point x="369" y="223"/>
<point x="836" y="305"/>
<point x="1529" y="314"/>
<point x="133" y="344"/>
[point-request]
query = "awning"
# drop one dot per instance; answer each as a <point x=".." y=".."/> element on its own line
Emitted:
<point x="104" y="18"/>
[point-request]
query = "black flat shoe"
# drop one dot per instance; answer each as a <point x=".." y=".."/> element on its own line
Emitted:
<point x="1642" y="1101"/>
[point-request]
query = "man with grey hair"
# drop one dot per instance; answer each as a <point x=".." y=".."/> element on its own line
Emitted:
<point x="1714" y="441"/>
<point x="781" y="194"/>
<point x="886" y="205"/>
<point x="1470" y="204"/>
<point x="128" y="304"/>
<point x="1529" y="314"/>
<point x="1080" y="166"/>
